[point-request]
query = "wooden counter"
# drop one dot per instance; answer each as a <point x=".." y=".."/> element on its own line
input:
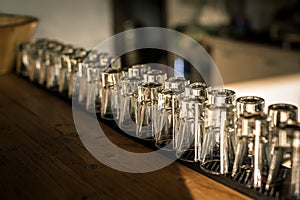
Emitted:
<point x="42" y="157"/>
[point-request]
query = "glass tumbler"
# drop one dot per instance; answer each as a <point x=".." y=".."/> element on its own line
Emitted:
<point x="64" y="76"/>
<point x="146" y="122"/>
<point x="168" y="116"/>
<point x="128" y="103"/>
<point x="168" y="112"/>
<point x="22" y="58"/>
<point x="85" y="73"/>
<point x="281" y="159"/>
<point x="218" y="143"/>
<point x="46" y="56"/>
<point x="110" y="98"/>
<point x="52" y="71"/>
<point x="36" y="58"/>
<point x="73" y="73"/>
<point x="279" y="115"/>
<point x="191" y="125"/>
<point x="94" y="86"/>
<point x="33" y="66"/>
<point x="251" y="165"/>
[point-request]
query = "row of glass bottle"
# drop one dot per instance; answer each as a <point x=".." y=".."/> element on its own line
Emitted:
<point x="228" y="136"/>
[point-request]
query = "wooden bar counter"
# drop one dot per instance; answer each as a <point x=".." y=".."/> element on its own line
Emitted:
<point x="42" y="156"/>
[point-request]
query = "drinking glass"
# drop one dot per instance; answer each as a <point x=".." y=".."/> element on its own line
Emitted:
<point x="22" y="58"/>
<point x="52" y="71"/>
<point x="128" y="103"/>
<point x="110" y="98"/>
<point x="147" y="97"/>
<point x="168" y="112"/>
<point x="218" y="143"/>
<point x="280" y="117"/>
<point x="46" y="60"/>
<point x="84" y="75"/>
<point x="191" y="125"/>
<point x="94" y="87"/>
<point x="281" y="158"/>
<point x="64" y="77"/>
<point x="76" y="63"/>
<point x="251" y="164"/>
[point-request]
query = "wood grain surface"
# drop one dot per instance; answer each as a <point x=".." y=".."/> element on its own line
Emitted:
<point x="42" y="157"/>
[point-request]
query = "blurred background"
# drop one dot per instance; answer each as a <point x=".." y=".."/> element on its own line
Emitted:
<point x="247" y="39"/>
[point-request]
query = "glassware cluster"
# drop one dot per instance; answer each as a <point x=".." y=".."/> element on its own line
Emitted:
<point x="232" y="137"/>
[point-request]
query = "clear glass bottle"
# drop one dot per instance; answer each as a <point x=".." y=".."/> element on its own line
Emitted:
<point x="218" y="143"/>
